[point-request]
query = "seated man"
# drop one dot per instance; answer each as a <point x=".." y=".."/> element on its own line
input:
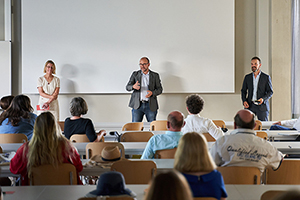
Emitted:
<point x="195" y="123"/>
<point x="243" y="148"/>
<point x="281" y="125"/>
<point x="169" y="140"/>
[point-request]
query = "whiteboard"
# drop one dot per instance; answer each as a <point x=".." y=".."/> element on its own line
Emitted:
<point x="5" y="67"/>
<point x="97" y="44"/>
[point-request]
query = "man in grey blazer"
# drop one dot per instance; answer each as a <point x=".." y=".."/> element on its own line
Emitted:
<point x="146" y="86"/>
<point x="257" y="90"/>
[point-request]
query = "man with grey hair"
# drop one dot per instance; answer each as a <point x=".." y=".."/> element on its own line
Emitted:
<point x="169" y="140"/>
<point x="243" y="148"/>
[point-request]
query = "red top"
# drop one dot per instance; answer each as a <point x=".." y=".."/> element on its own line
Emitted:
<point x="18" y="164"/>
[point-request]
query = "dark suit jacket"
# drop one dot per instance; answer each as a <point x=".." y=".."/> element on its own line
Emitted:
<point x="264" y="90"/>
<point x="154" y="86"/>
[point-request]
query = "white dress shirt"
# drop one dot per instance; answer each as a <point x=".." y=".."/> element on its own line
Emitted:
<point x="196" y="123"/>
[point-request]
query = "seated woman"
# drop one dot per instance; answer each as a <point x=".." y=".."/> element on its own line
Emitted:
<point x="48" y="146"/>
<point x="170" y="185"/>
<point x="194" y="161"/>
<point x="5" y="101"/>
<point x="79" y="125"/>
<point x="18" y="118"/>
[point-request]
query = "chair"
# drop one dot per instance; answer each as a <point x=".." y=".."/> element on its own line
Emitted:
<point x="1" y="150"/>
<point x="262" y="134"/>
<point x="138" y="136"/>
<point x="13" y="138"/>
<point x="95" y="148"/>
<point x="219" y="123"/>
<point x="204" y="198"/>
<point x="271" y="194"/>
<point x="133" y="126"/>
<point x="136" y="172"/>
<point x="240" y="175"/>
<point x="159" y="125"/>
<point x="61" y="125"/>
<point x="64" y="174"/>
<point x="288" y="173"/>
<point x="79" y="138"/>
<point x="258" y="125"/>
<point x="208" y="137"/>
<point x="165" y="153"/>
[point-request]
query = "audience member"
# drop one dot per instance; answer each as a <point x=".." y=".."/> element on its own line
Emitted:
<point x="195" y="123"/>
<point x="289" y="195"/>
<point x="48" y="146"/>
<point x="284" y="125"/>
<point x="243" y="148"/>
<point x="18" y="118"/>
<point x="79" y="125"/>
<point x="193" y="160"/>
<point x="5" y="101"/>
<point x="169" y="140"/>
<point x="111" y="184"/>
<point x="170" y="185"/>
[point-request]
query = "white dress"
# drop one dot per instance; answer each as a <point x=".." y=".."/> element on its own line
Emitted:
<point x="49" y="89"/>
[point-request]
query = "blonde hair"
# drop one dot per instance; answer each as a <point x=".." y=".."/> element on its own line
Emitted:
<point x="192" y="154"/>
<point x="47" y="143"/>
<point x="169" y="186"/>
<point x="51" y="62"/>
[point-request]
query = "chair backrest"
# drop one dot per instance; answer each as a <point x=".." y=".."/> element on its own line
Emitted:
<point x="135" y="172"/>
<point x="13" y="138"/>
<point x="204" y="198"/>
<point x="209" y="138"/>
<point x="138" y="136"/>
<point x="95" y="148"/>
<point x="240" y="175"/>
<point x="62" y="125"/>
<point x="219" y="123"/>
<point x="165" y="153"/>
<point x="64" y="174"/>
<point x="288" y="173"/>
<point x="258" y="125"/>
<point x="79" y="138"/>
<point x="133" y="126"/>
<point x="262" y="134"/>
<point x="159" y="125"/>
<point x="271" y="194"/>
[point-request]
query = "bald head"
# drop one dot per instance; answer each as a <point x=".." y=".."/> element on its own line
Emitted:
<point x="244" y="119"/>
<point x="175" y="121"/>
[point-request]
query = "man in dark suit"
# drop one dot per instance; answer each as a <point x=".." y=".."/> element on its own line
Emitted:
<point x="257" y="90"/>
<point x="146" y="86"/>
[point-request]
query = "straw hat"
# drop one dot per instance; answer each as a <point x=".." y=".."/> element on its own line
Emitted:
<point x="110" y="154"/>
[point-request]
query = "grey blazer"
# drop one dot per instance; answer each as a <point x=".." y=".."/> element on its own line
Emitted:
<point x="264" y="90"/>
<point x="154" y="86"/>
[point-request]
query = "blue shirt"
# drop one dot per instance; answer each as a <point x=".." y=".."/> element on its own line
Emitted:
<point x="207" y="185"/>
<point x="169" y="140"/>
<point x="25" y="126"/>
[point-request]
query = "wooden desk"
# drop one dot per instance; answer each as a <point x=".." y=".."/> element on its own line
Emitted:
<point x="235" y="192"/>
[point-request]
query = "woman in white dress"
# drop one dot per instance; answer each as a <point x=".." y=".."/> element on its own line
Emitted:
<point x="48" y="86"/>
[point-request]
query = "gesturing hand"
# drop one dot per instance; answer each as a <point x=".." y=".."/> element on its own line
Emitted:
<point x="136" y="86"/>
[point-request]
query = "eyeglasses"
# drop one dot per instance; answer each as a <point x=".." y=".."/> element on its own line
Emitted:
<point x="143" y="64"/>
